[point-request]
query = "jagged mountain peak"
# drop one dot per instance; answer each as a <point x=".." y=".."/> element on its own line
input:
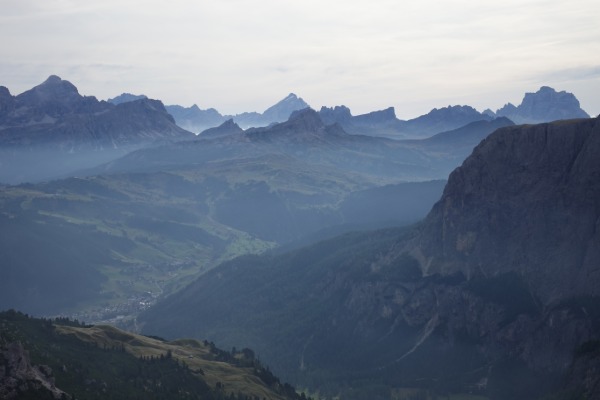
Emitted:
<point x="304" y="126"/>
<point x="307" y="118"/>
<point x="145" y="103"/>
<point x="55" y="81"/>
<point x="53" y="89"/>
<point x="126" y="97"/>
<point x="52" y="79"/>
<point x="291" y="97"/>
<point x="340" y="114"/>
<point x="379" y="116"/>
<point x="545" y="105"/>
<point x="229" y="123"/>
<point x="284" y="108"/>
<point x="453" y="109"/>
<point x="227" y="128"/>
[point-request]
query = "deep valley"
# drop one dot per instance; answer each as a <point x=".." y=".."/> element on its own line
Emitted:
<point x="450" y="256"/>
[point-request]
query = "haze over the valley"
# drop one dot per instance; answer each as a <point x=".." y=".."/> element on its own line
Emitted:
<point x="241" y="56"/>
<point x="423" y="223"/>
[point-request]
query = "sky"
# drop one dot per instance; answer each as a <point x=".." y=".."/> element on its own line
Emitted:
<point x="245" y="55"/>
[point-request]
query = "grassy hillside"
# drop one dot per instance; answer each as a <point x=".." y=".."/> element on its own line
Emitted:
<point x="127" y="239"/>
<point x="102" y="362"/>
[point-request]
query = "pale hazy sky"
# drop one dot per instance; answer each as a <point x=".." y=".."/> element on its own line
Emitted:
<point x="244" y="55"/>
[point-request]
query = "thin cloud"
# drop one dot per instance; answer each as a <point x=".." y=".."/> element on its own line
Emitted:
<point x="366" y="55"/>
<point x="573" y="74"/>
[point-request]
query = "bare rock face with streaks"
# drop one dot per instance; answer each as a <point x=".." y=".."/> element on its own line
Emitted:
<point x="20" y="379"/>
<point x="526" y="201"/>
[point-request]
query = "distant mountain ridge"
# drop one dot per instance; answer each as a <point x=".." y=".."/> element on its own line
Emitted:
<point x="197" y="120"/>
<point x="54" y="113"/>
<point x="126" y="97"/>
<point x="543" y="106"/>
<point x="59" y="130"/>
<point x="305" y="137"/>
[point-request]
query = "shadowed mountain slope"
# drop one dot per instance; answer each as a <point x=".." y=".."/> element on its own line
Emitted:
<point x="527" y="200"/>
<point x="494" y="294"/>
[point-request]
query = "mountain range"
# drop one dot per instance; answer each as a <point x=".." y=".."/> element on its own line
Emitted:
<point x="51" y="130"/>
<point x="494" y="294"/>
<point x="328" y="243"/>
<point x="307" y="138"/>
<point x="54" y="113"/>
<point x="545" y="105"/>
<point x="196" y="120"/>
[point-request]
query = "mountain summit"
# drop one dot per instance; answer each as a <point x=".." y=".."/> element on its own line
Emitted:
<point x="51" y="130"/>
<point x="55" y="114"/>
<point x="545" y="105"/>
<point x="282" y="110"/>
<point x="55" y="97"/>
<point x="198" y="120"/>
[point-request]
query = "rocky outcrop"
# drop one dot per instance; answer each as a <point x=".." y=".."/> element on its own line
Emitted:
<point x="377" y="117"/>
<point x="126" y="97"/>
<point x="20" y="379"/>
<point x="545" y="105"/>
<point x="225" y="129"/>
<point x="339" y="114"/>
<point x="303" y="127"/>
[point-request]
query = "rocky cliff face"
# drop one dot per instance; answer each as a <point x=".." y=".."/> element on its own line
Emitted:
<point x="20" y="379"/>
<point x="526" y="201"/>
